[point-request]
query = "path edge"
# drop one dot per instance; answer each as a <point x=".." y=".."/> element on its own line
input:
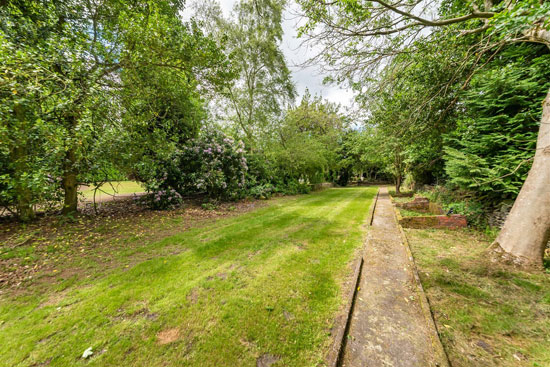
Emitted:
<point x="424" y="302"/>
<point x="336" y="349"/>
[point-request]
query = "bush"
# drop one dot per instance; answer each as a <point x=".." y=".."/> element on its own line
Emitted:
<point x="460" y="202"/>
<point x="213" y="164"/>
<point x="294" y="187"/>
<point x="209" y="206"/>
<point x="262" y="191"/>
<point x="164" y="199"/>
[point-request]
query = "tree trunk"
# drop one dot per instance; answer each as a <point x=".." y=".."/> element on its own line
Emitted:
<point x="19" y="156"/>
<point x="398" y="181"/>
<point x="526" y="231"/>
<point x="25" y="211"/>
<point x="70" y="183"/>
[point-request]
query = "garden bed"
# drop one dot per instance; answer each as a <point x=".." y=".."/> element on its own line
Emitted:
<point x="402" y="199"/>
<point x="403" y="194"/>
<point x="421" y="213"/>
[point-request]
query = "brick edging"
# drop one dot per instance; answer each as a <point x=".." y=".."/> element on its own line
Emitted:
<point x="335" y="353"/>
<point x="424" y="302"/>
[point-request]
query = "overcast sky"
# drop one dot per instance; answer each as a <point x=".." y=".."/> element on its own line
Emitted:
<point x="296" y="54"/>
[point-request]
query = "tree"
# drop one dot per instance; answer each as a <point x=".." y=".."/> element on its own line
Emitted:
<point x="490" y="151"/>
<point x="306" y="140"/>
<point x="29" y="100"/>
<point x="358" y="36"/>
<point x="263" y="88"/>
<point x="91" y="51"/>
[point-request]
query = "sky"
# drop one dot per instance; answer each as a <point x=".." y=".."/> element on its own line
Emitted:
<point x="296" y="54"/>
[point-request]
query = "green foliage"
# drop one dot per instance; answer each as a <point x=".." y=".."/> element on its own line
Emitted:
<point x="262" y="191"/>
<point x="94" y="90"/>
<point x="467" y="73"/>
<point x="459" y="202"/>
<point x="489" y="152"/>
<point x="306" y="141"/>
<point x="213" y="164"/>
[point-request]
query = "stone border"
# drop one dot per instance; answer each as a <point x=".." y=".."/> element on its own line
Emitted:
<point x="437" y="345"/>
<point x="373" y="208"/>
<point x="439" y="221"/>
<point x="334" y="355"/>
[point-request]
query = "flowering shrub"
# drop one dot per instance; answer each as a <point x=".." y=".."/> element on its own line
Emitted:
<point x="164" y="199"/>
<point x="213" y="164"/>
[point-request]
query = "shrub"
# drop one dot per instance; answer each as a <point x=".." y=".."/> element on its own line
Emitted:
<point x="213" y="164"/>
<point x="294" y="187"/>
<point x="461" y="202"/>
<point x="164" y="199"/>
<point x="262" y="191"/>
<point x="209" y="206"/>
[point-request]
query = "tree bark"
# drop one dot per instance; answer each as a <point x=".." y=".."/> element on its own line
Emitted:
<point x="70" y="183"/>
<point x="526" y="231"/>
<point x="25" y="211"/>
<point x="398" y="181"/>
<point x="70" y="171"/>
<point x="19" y="156"/>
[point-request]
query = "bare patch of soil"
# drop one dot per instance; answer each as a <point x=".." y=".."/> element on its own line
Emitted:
<point x="193" y="296"/>
<point x="168" y="336"/>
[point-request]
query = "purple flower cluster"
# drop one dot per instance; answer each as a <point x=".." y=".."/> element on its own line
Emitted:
<point x="214" y="164"/>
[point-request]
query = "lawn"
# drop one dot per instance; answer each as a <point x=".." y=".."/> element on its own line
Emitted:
<point x="487" y="314"/>
<point x="109" y="189"/>
<point x="260" y="286"/>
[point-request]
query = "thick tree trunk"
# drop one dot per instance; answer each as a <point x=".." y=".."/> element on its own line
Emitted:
<point x="526" y="230"/>
<point x="70" y="183"/>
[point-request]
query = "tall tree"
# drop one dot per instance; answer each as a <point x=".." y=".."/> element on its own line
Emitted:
<point x="263" y="88"/>
<point x="306" y="140"/>
<point x="358" y="36"/>
<point x="88" y="49"/>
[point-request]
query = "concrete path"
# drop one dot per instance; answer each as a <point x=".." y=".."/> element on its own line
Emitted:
<point x="390" y="325"/>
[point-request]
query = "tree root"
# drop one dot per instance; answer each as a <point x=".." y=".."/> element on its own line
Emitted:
<point x="498" y="255"/>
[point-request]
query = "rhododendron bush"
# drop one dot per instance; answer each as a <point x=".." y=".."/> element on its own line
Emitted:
<point x="213" y="164"/>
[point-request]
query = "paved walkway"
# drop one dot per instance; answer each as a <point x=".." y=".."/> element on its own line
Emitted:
<point x="388" y="325"/>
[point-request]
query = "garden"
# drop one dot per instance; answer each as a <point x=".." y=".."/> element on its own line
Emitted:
<point x="234" y="182"/>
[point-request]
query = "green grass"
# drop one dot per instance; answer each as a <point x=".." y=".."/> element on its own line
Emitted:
<point x="413" y="213"/>
<point x="113" y="188"/>
<point x="266" y="282"/>
<point x="488" y="314"/>
<point x="401" y="194"/>
<point x="402" y="199"/>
